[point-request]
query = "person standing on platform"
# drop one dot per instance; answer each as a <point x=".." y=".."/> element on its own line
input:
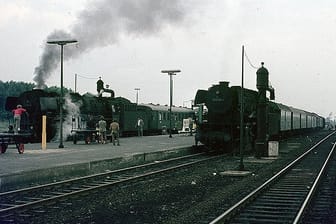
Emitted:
<point x="114" y="127"/>
<point x="140" y="125"/>
<point x="91" y="127"/>
<point x="191" y="124"/>
<point x="102" y="130"/>
<point x="17" y="117"/>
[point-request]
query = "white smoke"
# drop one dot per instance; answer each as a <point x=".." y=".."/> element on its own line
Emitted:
<point x="71" y="119"/>
<point x="103" y="22"/>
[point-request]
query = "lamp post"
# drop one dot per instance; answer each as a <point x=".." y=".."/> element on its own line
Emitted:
<point x="137" y="94"/>
<point x="61" y="43"/>
<point x="170" y="73"/>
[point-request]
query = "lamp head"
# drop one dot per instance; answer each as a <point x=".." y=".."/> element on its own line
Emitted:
<point x="170" y="71"/>
<point x="62" y="42"/>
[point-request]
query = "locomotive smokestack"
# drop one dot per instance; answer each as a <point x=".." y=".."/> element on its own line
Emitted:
<point x="103" y="22"/>
<point x="224" y="84"/>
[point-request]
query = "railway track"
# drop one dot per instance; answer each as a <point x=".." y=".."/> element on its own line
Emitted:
<point x="323" y="206"/>
<point x="19" y="205"/>
<point x="285" y="197"/>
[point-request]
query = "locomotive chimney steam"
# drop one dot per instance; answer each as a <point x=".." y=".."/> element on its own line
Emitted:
<point x="103" y="22"/>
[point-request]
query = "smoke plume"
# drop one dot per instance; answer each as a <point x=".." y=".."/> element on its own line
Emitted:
<point x="71" y="120"/>
<point x="103" y="22"/>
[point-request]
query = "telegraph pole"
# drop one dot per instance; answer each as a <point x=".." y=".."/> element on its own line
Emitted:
<point x="75" y="83"/>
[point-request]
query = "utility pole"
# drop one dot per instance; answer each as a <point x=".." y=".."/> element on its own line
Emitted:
<point x="75" y="83"/>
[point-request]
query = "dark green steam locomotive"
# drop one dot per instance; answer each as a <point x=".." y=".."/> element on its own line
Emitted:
<point x="263" y="119"/>
<point x="79" y="109"/>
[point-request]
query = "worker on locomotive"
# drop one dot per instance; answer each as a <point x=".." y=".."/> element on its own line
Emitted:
<point x="18" y="112"/>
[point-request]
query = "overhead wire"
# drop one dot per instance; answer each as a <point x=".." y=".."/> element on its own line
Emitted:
<point x="87" y="77"/>
<point x="249" y="61"/>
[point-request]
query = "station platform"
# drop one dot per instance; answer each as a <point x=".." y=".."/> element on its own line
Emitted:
<point x="36" y="165"/>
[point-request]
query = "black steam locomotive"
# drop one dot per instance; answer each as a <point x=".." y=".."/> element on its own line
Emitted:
<point x="264" y="120"/>
<point x="80" y="110"/>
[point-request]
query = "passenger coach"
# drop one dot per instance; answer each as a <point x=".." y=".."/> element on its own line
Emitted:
<point x="285" y="120"/>
<point x="159" y="120"/>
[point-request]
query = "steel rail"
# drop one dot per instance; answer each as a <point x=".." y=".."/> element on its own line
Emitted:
<point x="95" y="175"/>
<point x="229" y="212"/>
<point x="99" y="184"/>
<point x="314" y="187"/>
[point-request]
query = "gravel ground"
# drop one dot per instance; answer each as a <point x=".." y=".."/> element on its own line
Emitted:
<point x="194" y="195"/>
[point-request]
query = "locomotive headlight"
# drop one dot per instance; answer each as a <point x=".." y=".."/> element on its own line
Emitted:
<point x="217" y="92"/>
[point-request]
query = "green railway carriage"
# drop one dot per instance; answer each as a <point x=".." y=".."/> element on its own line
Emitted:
<point x="155" y="117"/>
<point x="285" y="120"/>
<point x="158" y="117"/>
<point x="298" y="118"/>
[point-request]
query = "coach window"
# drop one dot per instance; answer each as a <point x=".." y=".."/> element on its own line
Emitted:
<point x="160" y="116"/>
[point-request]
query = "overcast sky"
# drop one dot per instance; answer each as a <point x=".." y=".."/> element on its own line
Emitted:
<point x="129" y="42"/>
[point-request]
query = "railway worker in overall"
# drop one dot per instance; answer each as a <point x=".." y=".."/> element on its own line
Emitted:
<point x="191" y="125"/>
<point x="100" y="87"/>
<point x="102" y="130"/>
<point x="90" y="126"/>
<point x="140" y="125"/>
<point x="114" y="127"/>
<point x="17" y="117"/>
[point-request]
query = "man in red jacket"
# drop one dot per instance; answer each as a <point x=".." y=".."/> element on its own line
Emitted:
<point x="17" y="117"/>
